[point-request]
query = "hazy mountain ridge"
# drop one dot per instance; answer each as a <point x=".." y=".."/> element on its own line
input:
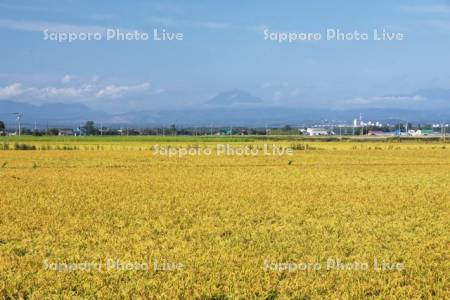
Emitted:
<point x="235" y="107"/>
<point x="54" y="112"/>
<point x="434" y="93"/>
<point x="234" y="97"/>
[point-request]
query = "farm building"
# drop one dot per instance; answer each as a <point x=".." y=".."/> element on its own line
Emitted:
<point x="317" y="131"/>
<point x="380" y="133"/>
<point x="424" y="132"/>
<point x="66" y="132"/>
<point x="376" y="132"/>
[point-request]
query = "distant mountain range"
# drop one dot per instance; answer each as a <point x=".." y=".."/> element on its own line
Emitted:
<point x="54" y="111"/>
<point x="56" y="114"/>
<point x="435" y="94"/>
<point x="274" y="116"/>
<point x="235" y="107"/>
<point x="234" y="97"/>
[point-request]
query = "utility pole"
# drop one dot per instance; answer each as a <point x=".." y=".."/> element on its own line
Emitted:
<point x="19" y="119"/>
<point x="445" y="131"/>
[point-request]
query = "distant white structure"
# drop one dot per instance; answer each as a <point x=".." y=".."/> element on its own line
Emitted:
<point x="412" y="132"/>
<point x="317" y="131"/>
<point x="422" y="132"/>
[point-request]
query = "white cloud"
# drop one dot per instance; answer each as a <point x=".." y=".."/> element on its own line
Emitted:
<point x="258" y="28"/>
<point x="268" y="84"/>
<point x="159" y="91"/>
<point x="66" y="79"/>
<point x="163" y="21"/>
<point x="38" y="7"/>
<point x="427" y="9"/>
<point x="60" y="93"/>
<point x="79" y="93"/>
<point x="214" y="25"/>
<point x="11" y="91"/>
<point x="386" y="100"/>
<point x="168" y="8"/>
<point x="169" y="21"/>
<point x="102" y="17"/>
<point x="41" y="26"/>
<point x="222" y="26"/>
<point x="115" y="91"/>
<point x="66" y="93"/>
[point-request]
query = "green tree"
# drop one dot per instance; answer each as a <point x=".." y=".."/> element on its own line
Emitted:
<point x="2" y="126"/>
<point x="173" y="129"/>
<point x="53" y="131"/>
<point x="90" y="128"/>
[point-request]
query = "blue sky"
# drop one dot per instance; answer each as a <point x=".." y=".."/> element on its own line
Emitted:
<point x="223" y="49"/>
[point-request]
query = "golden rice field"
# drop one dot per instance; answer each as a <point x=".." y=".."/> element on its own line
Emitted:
<point x="112" y="219"/>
